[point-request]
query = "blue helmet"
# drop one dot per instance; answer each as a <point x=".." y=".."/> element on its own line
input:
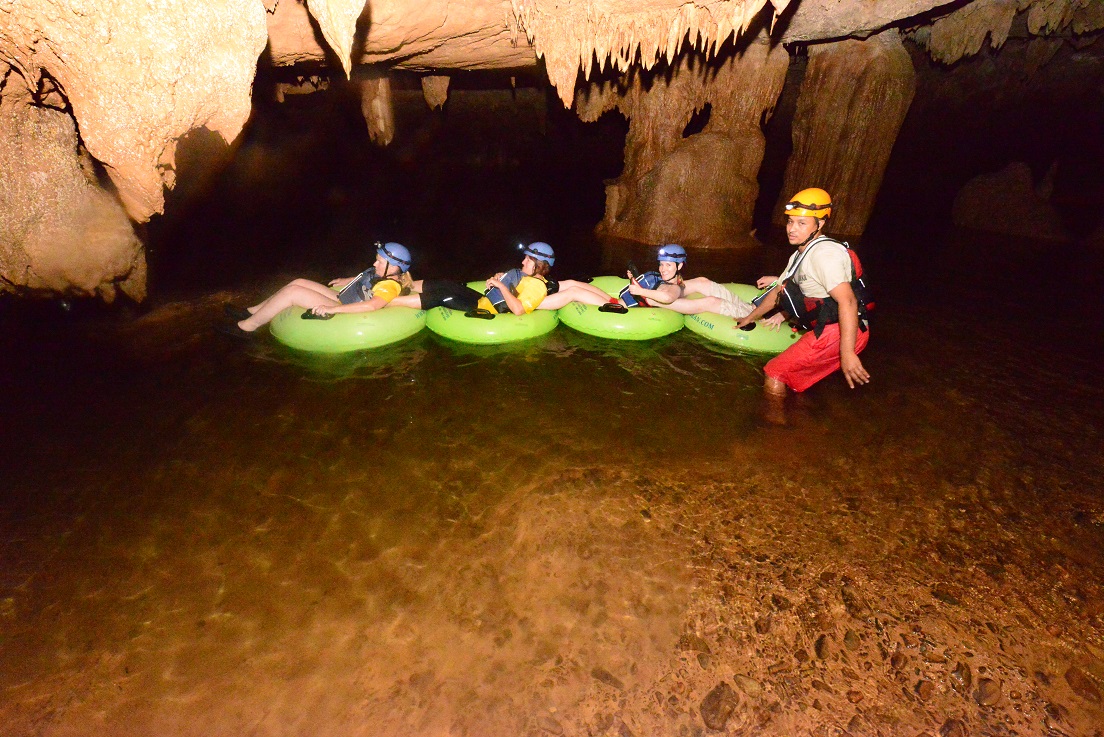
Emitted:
<point x="395" y="254"/>
<point x="673" y="253"/>
<point x="541" y="251"/>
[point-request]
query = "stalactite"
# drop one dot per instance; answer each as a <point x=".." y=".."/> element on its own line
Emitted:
<point x="377" y="108"/>
<point x="698" y="190"/>
<point x="566" y="35"/>
<point x="435" y="89"/>
<point x="963" y="32"/>
<point x="337" y="19"/>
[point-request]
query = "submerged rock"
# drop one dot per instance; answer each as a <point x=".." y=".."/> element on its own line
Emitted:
<point x="1056" y="712"/>
<point x="854" y="603"/>
<point x="718" y="705"/>
<point x="953" y="728"/>
<point x="821" y="647"/>
<point x="550" y="725"/>
<point x="748" y="685"/>
<point x="961" y="678"/>
<point x="604" y="676"/>
<point x="1082" y="685"/>
<point x="988" y="692"/>
<point x="946" y="595"/>
<point x="694" y="643"/>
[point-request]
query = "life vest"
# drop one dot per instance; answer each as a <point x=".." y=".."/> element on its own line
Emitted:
<point x="647" y="280"/>
<point x="814" y="313"/>
<point x="360" y="288"/>
<point x="511" y="279"/>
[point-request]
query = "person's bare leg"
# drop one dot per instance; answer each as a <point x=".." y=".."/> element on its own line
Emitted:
<point x="573" y="294"/>
<point x="293" y="294"/>
<point x="305" y="283"/>
<point x="573" y="284"/>
<point x="774" y="401"/>
<point x="414" y="299"/>
<point x="697" y="285"/>
<point x="685" y="306"/>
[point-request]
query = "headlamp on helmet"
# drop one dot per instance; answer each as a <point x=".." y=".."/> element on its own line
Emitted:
<point x="813" y="202"/>
<point x="540" y="251"/>
<point x="672" y="252"/>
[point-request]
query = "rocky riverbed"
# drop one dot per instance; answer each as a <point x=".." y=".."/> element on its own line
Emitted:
<point x="223" y="540"/>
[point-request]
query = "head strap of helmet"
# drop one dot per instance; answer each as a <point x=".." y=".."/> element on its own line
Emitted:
<point x="802" y="206"/>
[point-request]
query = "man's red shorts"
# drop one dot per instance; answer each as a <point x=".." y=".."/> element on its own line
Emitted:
<point x="810" y="359"/>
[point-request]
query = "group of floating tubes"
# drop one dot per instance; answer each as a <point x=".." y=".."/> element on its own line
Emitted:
<point x="366" y="330"/>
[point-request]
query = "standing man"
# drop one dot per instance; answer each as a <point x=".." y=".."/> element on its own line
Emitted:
<point x="816" y="285"/>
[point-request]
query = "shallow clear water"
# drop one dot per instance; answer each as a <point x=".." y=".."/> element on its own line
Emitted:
<point x="201" y="537"/>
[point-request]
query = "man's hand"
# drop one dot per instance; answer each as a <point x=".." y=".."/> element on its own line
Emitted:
<point x="495" y="282"/>
<point x="853" y="370"/>
<point x="341" y="283"/>
<point x="765" y="281"/>
<point x="774" y="322"/>
<point x="743" y="321"/>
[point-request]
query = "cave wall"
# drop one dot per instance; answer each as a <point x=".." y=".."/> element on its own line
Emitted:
<point x="1037" y="100"/>
<point x="697" y="190"/>
<point x="853" y="100"/>
<point x="136" y="76"/>
<point x="139" y="75"/>
<point x="60" y="231"/>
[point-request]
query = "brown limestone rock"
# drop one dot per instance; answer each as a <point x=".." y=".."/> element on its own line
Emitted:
<point x="571" y="35"/>
<point x="814" y="20"/>
<point x="293" y="37"/>
<point x="1008" y="202"/>
<point x="59" y="230"/>
<point x="700" y="190"/>
<point x="140" y="76"/>
<point x="435" y="89"/>
<point x="852" y="102"/>
<point x="1082" y="685"/>
<point x="718" y="705"/>
<point x="377" y="108"/>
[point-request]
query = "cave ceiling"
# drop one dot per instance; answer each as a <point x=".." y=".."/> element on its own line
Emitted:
<point x="137" y="75"/>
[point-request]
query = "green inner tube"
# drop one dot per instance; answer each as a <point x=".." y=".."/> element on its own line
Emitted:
<point x="347" y="331"/>
<point x="721" y="329"/>
<point x="503" y="328"/>
<point x="639" y="323"/>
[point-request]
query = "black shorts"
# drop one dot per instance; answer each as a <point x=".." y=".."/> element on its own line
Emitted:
<point x="439" y="293"/>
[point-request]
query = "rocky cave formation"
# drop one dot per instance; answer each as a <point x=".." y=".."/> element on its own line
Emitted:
<point x="852" y="103"/>
<point x="700" y="189"/>
<point x="112" y="88"/>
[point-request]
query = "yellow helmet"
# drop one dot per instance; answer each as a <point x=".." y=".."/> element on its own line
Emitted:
<point x="812" y="202"/>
